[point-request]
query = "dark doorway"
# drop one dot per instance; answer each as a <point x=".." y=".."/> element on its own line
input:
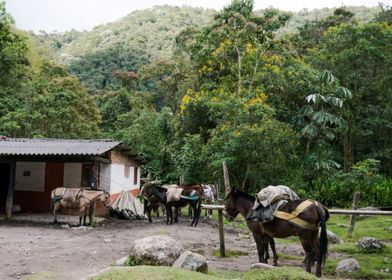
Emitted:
<point x="4" y="182"/>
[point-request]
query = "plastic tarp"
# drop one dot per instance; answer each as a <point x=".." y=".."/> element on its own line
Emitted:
<point x="128" y="206"/>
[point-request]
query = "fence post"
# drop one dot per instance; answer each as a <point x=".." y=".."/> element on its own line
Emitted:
<point x="221" y="234"/>
<point x="352" y="217"/>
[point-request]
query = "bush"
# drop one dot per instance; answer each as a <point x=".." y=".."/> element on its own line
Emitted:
<point x="338" y="189"/>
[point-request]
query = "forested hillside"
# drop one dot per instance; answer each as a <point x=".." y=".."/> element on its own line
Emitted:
<point x="299" y="99"/>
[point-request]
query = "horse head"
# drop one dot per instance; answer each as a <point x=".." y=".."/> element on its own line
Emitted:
<point x="231" y="209"/>
<point x="105" y="198"/>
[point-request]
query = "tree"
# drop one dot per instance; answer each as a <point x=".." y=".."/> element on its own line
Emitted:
<point x="360" y="56"/>
<point x="14" y="74"/>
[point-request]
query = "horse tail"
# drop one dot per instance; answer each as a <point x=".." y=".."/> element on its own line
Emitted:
<point x="323" y="214"/>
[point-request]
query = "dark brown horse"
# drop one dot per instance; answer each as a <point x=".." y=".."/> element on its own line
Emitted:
<point x="261" y="238"/>
<point x="185" y="199"/>
<point x="315" y="247"/>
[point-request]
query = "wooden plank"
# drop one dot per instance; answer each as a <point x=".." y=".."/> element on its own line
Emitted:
<point x="359" y="212"/>
<point x="10" y="193"/>
<point x="212" y="207"/>
<point x="221" y="234"/>
<point x="331" y="211"/>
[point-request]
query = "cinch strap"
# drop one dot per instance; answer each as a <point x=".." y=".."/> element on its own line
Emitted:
<point x="293" y="216"/>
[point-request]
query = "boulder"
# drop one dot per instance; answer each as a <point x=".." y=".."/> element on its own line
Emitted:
<point x="192" y="261"/>
<point x="347" y="265"/>
<point x="155" y="250"/>
<point x="333" y="238"/>
<point x="369" y="244"/>
<point x="262" y="266"/>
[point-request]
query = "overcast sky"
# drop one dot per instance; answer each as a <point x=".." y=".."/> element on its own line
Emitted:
<point x="62" y="15"/>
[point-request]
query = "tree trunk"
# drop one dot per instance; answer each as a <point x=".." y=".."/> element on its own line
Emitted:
<point x="347" y="147"/>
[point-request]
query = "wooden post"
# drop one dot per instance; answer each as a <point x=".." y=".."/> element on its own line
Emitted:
<point x="221" y="234"/>
<point x="182" y="180"/>
<point x="10" y="193"/>
<point x="352" y="217"/>
<point x="226" y="178"/>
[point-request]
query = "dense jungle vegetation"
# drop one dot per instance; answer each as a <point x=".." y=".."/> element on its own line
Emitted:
<point x="302" y="99"/>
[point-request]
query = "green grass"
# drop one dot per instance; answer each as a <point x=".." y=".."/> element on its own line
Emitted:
<point x="283" y="273"/>
<point x="153" y="273"/>
<point x="373" y="226"/>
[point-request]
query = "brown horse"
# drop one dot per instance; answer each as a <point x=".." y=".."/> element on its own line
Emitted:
<point x="77" y="199"/>
<point x="315" y="247"/>
<point x="261" y="238"/>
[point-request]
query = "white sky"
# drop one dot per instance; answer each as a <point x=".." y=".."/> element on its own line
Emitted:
<point x="62" y="15"/>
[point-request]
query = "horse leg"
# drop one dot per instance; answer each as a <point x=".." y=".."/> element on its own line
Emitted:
<point x="197" y="212"/>
<point x="168" y="207"/>
<point x="190" y="213"/>
<point x="260" y="251"/>
<point x="176" y="210"/>
<point x="266" y="251"/>
<point x="56" y="208"/>
<point x="307" y="244"/>
<point x="272" y="244"/>
<point x="318" y="256"/>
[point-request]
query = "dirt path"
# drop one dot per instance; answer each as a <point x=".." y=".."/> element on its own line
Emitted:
<point x="30" y="244"/>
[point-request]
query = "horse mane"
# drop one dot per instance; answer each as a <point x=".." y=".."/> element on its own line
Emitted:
<point x="245" y="195"/>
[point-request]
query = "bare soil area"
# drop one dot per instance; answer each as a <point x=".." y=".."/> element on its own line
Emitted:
<point x="31" y="244"/>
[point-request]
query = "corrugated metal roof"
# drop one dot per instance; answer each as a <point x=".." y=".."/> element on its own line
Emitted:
<point x="24" y="146"/>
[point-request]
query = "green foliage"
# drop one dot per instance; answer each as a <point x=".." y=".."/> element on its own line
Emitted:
<point x="14" y="72"/>
<point x="338" y="189"/>
<point x="153" y="273"/>
<point x="283" y="273"/>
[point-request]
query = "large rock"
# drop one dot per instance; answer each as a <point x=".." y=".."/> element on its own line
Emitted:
<point x="155" y="250"/>
<point x="369" y="244"/>
<point x="333" y="238"/>
<point x="347" y="265"/>
<point x="192" y="261"/>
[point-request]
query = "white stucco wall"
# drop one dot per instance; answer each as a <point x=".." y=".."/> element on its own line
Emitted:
<point x="122" y="178"/>
<point x="30" y="176"/>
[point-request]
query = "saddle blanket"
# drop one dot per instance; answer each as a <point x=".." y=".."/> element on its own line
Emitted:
<point x="270" y="194"/>
<point x="70" y="195"/>
<point x="267" y="214"/>
<point x="173" y="194"/>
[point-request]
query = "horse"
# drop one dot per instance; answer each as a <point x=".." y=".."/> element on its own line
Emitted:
<point x="185" y="199"/>
<point x="261" y="238"/>
<point x="316" y="214"/>
<point x="79" y="199"/>
<point x="151" y="204"/>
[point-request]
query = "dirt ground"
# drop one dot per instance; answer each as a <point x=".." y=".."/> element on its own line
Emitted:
<point x="30" y="244"/>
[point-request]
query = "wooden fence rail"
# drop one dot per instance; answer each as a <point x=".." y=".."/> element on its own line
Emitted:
<point x="220" y="209"/>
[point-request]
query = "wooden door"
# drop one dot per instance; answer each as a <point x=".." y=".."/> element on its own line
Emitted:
<point x="54" y="177"/>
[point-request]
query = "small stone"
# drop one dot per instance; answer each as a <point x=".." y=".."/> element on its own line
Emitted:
<point x="65" y="226"/>
<point x="369" y="244"/>
<point x="262" y="266"/>
<point x="122" y="261"/>
<point x="333" y="238"/>
<point x="347" y="265"/>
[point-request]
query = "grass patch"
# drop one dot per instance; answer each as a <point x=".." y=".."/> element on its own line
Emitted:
<point x="153" y="273"/>
<point x="225" y="274"/>
<point x="372" y="265"/>
<point x="283" y="273"/>
<point x="373" y="226"/>
<point x="230" y="253"/>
